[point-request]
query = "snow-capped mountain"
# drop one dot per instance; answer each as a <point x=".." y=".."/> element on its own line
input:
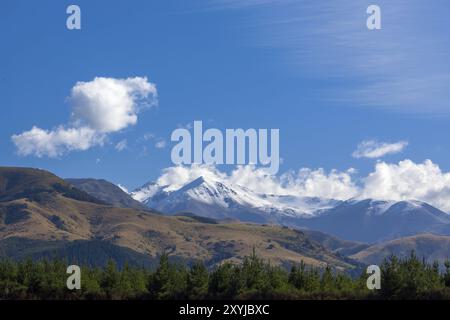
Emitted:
<point x="150" y="194"/>
<point x="212" y="199"/>
<point x="376" y="220"/>
<point x="298" y="206"/>
<point x="215" y="199"/>
<point x="365" y="220"/>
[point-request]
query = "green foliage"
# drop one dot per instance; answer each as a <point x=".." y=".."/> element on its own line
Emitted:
<point x="411" y="278"/>
<point x="225" y="282"/>
<point x="254" y="278"/>
<point x="447" y="274"/>
<point x="197" y="281"/>
<point x="169" y="281"/>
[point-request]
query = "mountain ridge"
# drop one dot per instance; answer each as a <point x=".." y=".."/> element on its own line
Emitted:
<point x="428" y="246"/>
<point x="227" y="199"/>
<point x="107" y="192"/>
<point x="362" y="221"/>
<point x="55" y="216"/>
<point x="366" y="220"/>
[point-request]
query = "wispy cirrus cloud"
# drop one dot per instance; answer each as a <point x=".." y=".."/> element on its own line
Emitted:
<point x="121" y="145"/>
<point x="376" y="149"/>
<point x="402" y="67"/>
<point x="160" y="144"/>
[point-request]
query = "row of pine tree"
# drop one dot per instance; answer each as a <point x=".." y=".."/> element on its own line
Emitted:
<point x="408" y="278"/>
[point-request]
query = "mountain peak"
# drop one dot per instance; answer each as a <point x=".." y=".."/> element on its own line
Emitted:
<point x="356" y="219"/>
<point x="107" y="192"/>
<point x="146" y="192"/>
<point x="211" y="196"/>
<point x="29" y="183"/>
<point x="194" y="184"/>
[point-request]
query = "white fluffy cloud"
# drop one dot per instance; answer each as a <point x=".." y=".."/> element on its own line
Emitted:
<point x="405" y="180"/>
<point x="375" y="149"/>
<point x="108" y="104"/>
<point x="318" y="183"/>
<point x="56" y="142"/>
<point x="408" y="180"/>
<point x="307" y="182"/>
<point x="99" y="107"/>
<point x="336" y="185"/>
<point x="256" y="179"/>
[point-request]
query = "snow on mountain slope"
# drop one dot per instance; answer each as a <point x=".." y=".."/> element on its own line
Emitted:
<point x="300" y="206"/>
<point x="371" y="206"/>
<point x="371" y="220"/>
<point x="146" y="192"/>
<point x="152" y="195"/>
<point x="210" y="198"/>
<point x="214" y="198"/>
<point x="366" y="220"/>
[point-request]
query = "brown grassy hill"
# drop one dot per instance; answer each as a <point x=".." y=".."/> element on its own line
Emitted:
<point x="428" y="246"/>
<point x="341" y="246"/>
<point x="19" y="183"/>
<point x="62" y="213"/>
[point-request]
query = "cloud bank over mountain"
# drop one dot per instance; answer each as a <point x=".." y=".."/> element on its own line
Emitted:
<point x="405" y="180"/>
<point x="99" y="107"/>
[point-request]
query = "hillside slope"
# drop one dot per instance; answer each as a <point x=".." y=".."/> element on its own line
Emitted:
<point x="107" y="192"/>
<point x="19" y="183"/>
<point x="44" y="213"/>
<point x="373" y="221"/>
<point x="343" y="247"/>
<point x="428" y="246"/>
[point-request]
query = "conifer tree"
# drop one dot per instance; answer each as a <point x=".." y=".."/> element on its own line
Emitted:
<point x="197" y="282"/>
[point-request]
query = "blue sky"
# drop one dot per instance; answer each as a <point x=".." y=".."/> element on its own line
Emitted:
<point x="312" y="70"/>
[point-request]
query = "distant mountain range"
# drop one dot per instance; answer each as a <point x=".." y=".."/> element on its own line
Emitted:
<point x="365" y="220"/>
<point x="376" y="221"/>
<point x="107" y="192"/>
<point x="433" y="247"/>
<point x="91" y="221"/>
<point x="42" y="215"/>
<point x="218" y="200"/>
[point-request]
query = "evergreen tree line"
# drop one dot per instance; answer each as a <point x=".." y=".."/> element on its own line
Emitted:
<point x="408" y="278"/>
